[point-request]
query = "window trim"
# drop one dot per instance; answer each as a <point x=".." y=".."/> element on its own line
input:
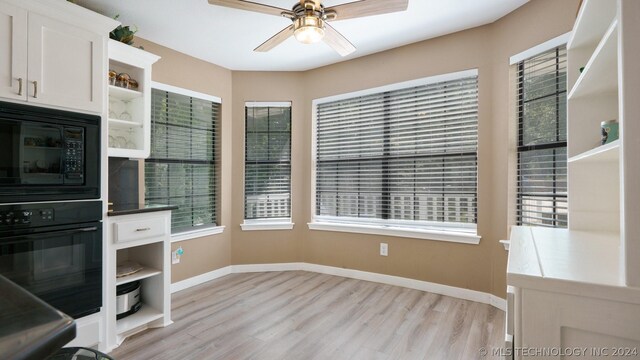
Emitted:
<point x="516" y="199"/>
<point x="185" y="92"/>
<point x="457" y="234"/>
<point x="214" y="228"/>
<point x="269" y="223"/>
<point x="197" y="233"/>
<point x="540" y="48"/>
<point x="390" y="230"/>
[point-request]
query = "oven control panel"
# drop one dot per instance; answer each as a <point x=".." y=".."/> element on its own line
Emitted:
<point x="19" y="217"/>
<point x="26" y="217"/>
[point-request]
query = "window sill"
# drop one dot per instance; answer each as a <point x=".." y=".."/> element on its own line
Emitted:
<point x="188" y="235"/>
<point x="438" y="235"/>
<point x="266" y="225"/>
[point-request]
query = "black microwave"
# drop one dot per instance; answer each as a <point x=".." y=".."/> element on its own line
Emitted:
<point x="48" y="154"/>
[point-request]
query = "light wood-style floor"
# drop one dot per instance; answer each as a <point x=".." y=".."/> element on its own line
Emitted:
<point x="304" y="315"/>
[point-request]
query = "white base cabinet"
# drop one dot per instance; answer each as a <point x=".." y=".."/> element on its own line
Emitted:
<point x="566" y="292"/>
<point x="145" y="239"/>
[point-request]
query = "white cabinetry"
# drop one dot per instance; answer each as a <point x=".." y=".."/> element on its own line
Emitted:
<point x="53" y="54"/>
<point x="581" y="286"/>
<point x="13" y="52"/>
<point x="145" y="239"/>
<point x="130" y="109"/>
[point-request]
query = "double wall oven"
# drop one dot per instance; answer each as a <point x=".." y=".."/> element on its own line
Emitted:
<point x="50" y="218"/>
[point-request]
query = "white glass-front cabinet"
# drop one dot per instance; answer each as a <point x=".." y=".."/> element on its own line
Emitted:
<point x="130" y="105"/>
<point x="53" y="54"/>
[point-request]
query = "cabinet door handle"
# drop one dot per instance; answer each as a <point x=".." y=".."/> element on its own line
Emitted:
<point x="35" y="89"/>
<point x="19" y="86"/>
<point x="143" y="229"/>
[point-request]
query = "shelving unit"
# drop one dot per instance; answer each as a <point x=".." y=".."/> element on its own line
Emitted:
<point x="144" y="316"/>
<point x="600" y="74"/>
<point x="603" y="153"/>
<point x="129" y="109"/>
<point x="144" y="239"/>
<point x="580" y="286"/>
<point x="146" y="272"/>
<point x="124" y="94"/>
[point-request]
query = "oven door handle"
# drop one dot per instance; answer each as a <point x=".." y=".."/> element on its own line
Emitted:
<point x="39" y="234"/>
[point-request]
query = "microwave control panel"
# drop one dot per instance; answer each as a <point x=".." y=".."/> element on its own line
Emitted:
<point x="73" y="155"/>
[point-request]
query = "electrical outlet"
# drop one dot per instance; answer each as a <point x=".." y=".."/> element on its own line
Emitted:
<point x="175" y="259"/>
<point x="384" y="249"/>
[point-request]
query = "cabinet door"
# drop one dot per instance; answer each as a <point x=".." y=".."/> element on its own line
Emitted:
<point x="65" y="65"/>
<point x="13" y="52"/>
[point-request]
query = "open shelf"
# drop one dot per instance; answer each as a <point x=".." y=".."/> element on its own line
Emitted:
<point x="124" y="94"/>
<point x="142" y="274"/>
<point x="592" y="22"/>
<point x="145" y="315"/>
<point x="600" y="75"/>
<point x="607" y="152"/>
<point x="127" y="123"/>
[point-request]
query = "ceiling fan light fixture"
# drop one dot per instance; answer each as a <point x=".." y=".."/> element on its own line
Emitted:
<point x="308" y="29"/>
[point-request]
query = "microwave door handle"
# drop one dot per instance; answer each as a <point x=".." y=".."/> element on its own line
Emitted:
<point x="26" y="237"/>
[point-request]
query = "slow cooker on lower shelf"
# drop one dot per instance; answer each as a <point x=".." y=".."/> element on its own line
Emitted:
<point x="128" y="299"/>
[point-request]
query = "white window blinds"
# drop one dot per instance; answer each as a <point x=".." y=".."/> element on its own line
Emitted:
<point x="542" y="139"/>
<point x="182" y="167"/>
<point x="406" y="156"/>
<point x="267" y="171"/>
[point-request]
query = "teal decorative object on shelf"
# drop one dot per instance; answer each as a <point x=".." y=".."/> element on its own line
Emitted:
<point x="609" y="131"/>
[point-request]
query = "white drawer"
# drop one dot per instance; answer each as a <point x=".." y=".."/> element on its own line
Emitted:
<point x="139" y="229"/>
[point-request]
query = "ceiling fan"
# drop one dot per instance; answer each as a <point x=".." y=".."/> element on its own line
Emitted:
<point x="310" y="19"/>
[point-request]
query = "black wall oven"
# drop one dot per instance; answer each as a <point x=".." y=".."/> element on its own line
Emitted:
<point x="48" y="154"/>
<point x="54" y="250"/>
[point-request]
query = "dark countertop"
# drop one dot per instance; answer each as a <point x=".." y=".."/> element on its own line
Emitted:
<point x="128" y="209"/>
<point x="29" y="327"/>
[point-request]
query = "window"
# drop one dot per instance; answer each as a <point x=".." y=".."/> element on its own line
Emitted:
<point x="267" y="171"/>
<point x="542" y="139"/>
<point x="404" y="156"/>
<point x="182" y="167"/>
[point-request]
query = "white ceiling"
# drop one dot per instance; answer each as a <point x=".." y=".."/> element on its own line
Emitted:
<point x="227" y="37"/>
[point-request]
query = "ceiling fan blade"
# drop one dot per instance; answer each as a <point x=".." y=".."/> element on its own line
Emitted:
<point x="275" y="40"/>
<point x="252" y="6"/>
<point x="337" y="42"/>
<point x="367" y="8"/>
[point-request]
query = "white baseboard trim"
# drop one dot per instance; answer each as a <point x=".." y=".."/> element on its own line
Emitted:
<point x="236" y="269"/>
<point x="497" y="302"/>
<point x="200" y="279"/>
<point x="435" y="288"/>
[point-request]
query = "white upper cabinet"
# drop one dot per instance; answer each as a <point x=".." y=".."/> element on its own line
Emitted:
<point x="64" y="69"/>
<point x="53" y="53"/>
<point x="13" y="52"/>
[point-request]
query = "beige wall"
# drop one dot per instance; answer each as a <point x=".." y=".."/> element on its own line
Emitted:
<point x="212" y="252"/>
<point x="255" y="247"/>
<point x="478" y="267"/>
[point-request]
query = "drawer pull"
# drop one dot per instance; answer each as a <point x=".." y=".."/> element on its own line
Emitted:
<point x="143" y="229"/>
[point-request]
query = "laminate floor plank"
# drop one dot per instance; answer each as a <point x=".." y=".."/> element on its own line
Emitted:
<point x="301" y="315"/>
